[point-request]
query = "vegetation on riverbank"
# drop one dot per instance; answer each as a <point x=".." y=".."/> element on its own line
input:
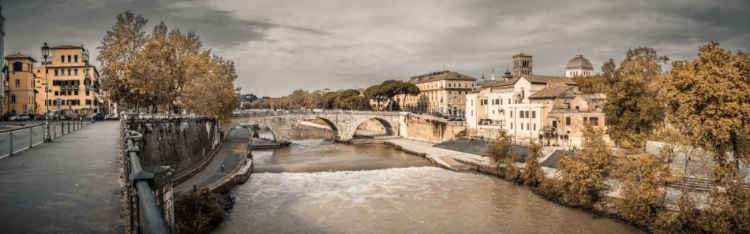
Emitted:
<point x="707" y="104"/>
<point x="201" y="211"/>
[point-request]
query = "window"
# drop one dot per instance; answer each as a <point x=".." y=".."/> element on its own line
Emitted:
<point x="18" y="83"/>
<point x="55" y="72"/>
<point x="511" y="113"/>
<point x="501" y="101"/>
<point x="567" y="121"/>
<point x="520" y="114"/>
<point x="527" y="116"/>
<point x="87" y="92"/>
<point x="521" y="126"/>
<point x="585" y="119"/>
<point x="472" y="113"/>
<point x="68" y="61"/>
<point x="75" y="58"/>
<point x="57" y="93"/>
<point x="17" y="67"/>
<point x="12" y="99"/>
<point x="527" y="126"/>
<point x="68" y="71"/>
<point x="493" y="112"/>
<point x="68" y="93"/>
<point x="62" y="58"/>
<point x="594" y="121"/>
<point x="533" y="114"/>
<point x="88" y="102"/>
<point x="76" y="93"/>
<point x="534" y="127"/>
<point x="75" y="71"/>
<point x="511" y="124"/>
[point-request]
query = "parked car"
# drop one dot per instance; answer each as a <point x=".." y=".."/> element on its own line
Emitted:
<point x="22" y="117"/>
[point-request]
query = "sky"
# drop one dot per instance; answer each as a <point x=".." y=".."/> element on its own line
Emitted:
<point x="281" y="46"/>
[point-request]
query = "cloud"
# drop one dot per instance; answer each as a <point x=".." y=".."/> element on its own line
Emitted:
<point x="279" y="46"/>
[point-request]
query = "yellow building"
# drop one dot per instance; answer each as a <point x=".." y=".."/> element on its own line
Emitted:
<point x="19" y="86"/>
<point x="443" y="92"/>
<point x="73" y="82"/>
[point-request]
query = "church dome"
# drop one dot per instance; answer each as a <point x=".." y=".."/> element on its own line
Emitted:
<point x="579" y="62"/>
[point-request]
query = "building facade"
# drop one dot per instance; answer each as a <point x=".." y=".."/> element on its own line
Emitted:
<point x="73" y="82"/>
<point x="19" y="85"/>
<point x="3" y="65"/>
<point x="546" y="109"/>
<point x="440" y="92"/>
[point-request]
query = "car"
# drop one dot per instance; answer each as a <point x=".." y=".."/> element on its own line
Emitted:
<point x="12" y="117"/>
<point x="22" y="117"/>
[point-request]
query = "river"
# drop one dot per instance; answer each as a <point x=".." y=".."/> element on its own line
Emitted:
<point x="409" y="197"/>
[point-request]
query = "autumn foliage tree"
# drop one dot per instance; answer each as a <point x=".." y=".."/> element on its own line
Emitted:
<point x="164" y="69"/>
<point x="533" y="174"/>
<point x="582" y="175"/>
<point x="633" y="109"/>
<point x="502" y="155"/>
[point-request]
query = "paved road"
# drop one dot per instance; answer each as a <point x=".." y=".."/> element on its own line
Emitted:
<point x="67" y="186"/>
<point x="230" y="155"/>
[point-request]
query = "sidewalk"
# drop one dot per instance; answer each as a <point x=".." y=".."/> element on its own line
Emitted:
<point x="234" y="150"/>
<point x="446" y="158"/>
<point x="67" y="186"/>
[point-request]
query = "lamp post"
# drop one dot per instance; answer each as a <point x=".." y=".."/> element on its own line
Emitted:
<point x="45" y="55"/>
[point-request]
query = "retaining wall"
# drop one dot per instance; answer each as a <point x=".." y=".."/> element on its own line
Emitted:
<point x="178" y="143"/>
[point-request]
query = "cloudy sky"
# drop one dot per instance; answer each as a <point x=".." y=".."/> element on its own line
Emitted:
<point x="279" y="46"/>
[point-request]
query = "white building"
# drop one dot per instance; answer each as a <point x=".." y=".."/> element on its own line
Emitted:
<point x="579" y="66"/>
<point x="549" y="109"/>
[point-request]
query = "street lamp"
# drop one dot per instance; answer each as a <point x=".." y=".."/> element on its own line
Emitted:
<point x="45" y="55"/>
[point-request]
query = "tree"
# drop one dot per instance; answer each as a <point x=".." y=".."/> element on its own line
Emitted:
<point x="708" y="99"/>
<point x="329" y="99"/>
<point x="633" y="109"/>
<point x="533" y="174"/>
<point x="119" y="54"/>
<point x="501" y="155"/>
<point x="166" y="68"/>
<point x="249" y="97"/>
<point x="582" y="175"/>
<point x="390" y="89"/>
<point x="641" y="192"/>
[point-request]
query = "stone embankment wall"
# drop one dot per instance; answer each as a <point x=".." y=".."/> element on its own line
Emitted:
<point x="178" y="143"/>
<point x="427" y="128"/>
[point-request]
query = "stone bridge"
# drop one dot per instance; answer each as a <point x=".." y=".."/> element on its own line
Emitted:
<point x="343" y="123"/>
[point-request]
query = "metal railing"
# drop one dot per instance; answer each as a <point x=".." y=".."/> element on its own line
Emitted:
<point x="142" y="192"/>
<point x="15" y="140"/>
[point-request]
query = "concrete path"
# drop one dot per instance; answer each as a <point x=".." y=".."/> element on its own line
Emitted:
<point x="234" y="150"/>
<point x="67" y="186"/>
<point x="444" y="157"/>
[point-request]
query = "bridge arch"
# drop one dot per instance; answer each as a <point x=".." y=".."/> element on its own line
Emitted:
<point x="388" y="127"/>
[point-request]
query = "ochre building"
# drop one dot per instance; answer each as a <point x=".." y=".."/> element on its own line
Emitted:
<point x="73" y="82"/>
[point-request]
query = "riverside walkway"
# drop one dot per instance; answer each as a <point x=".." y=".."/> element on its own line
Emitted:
<point x="231" y="155"/>
<point x="67" y="186"/>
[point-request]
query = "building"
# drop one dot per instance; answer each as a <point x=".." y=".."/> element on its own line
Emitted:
<point x="3" y="65"/>
<point x="579" y="66"/>
<point x="19" y="86"/>
<point x="529" y="107"/>
<point x="440" y="92"/>
<point x="74" y="83"/>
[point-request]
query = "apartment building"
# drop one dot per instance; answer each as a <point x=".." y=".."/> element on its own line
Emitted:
<point x="73" y="82"/>
<point x="440" y="92"/>
<point x="19" y="86"/>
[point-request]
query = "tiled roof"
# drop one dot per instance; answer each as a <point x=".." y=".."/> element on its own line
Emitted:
<point x="593" y="96"/>
<point x="550" y="80"/>
<point x="67" y="47"/>
<point x="443" y="75"/>
<point x="19" y="55"/>
<point x="554" y="92"/>
<point x="499" y="83"/>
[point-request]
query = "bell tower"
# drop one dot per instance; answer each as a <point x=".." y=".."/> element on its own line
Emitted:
<point x="522" y="65"/>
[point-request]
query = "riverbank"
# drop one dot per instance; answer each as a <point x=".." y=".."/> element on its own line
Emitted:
<point x="461" y="162"/>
